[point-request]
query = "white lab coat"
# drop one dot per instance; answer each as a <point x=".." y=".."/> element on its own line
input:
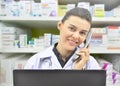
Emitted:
<point x="48" y="60"/>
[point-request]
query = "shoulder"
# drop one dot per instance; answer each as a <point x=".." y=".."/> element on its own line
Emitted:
<point x="92" y="63"/>
<point x="45" y="53"/>
<point x="92" y="59"/>
<point x="34" y="60"/>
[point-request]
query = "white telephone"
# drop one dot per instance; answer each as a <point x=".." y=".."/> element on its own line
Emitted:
<point x="87" y="41"/>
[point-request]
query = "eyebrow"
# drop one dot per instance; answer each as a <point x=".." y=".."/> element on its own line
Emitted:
<point x="73" y="26"/>
<point x="76" y="28"/>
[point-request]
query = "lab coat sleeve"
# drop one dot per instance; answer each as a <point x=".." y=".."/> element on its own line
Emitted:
<point x="91" y="64"/>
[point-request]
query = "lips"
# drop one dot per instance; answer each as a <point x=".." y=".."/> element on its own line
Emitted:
<point x="72" y="43"/>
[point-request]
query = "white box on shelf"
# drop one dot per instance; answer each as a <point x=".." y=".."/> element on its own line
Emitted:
<point x="49" y="7"/>
<point x="8" y="37"/>
<point x="85" y="5"/>
<point x="70" y="6"/>
<point x="47" y="39"/>
<point x="25" y="7"/>
<point x="7" y="44"/>
<point x="23" y="40"/>
<point x="36" y="9"/>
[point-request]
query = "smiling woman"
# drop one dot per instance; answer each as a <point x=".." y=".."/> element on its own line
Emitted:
<point x="73" y="29"/>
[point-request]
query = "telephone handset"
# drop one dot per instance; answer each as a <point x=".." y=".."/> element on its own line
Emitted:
<point x="86" y="43"/>
<point x="88" y="38"/>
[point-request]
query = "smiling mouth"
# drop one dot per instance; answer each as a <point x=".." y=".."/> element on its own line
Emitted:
<point x="72" y="43"/>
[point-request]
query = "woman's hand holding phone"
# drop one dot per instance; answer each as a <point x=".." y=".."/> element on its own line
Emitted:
<point x="84" y="55"/>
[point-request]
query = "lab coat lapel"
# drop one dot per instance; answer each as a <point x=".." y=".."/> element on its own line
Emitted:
<point x="70" y="62"/>
<point x="55" y="62"/>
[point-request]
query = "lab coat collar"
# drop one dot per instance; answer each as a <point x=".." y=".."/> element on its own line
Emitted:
<point x="51" y="56"/>
<point x="46" y="55"/>
<point x="55" y="61"/>
<point x="70" y="62"/>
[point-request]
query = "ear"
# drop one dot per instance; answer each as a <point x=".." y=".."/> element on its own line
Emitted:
<point x="59" y="25"/>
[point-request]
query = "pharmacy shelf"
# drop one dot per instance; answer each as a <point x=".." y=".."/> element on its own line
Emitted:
<point x="104" y="51"/>
<point x="26" y="18"/>
<point x="35" y="50"/>
<point x="32" y="22"/>
<point x="109" y="4"/>
<point x="105" y="21"/>
<point x="51" y="22"/>
<point x="20" y="50"/>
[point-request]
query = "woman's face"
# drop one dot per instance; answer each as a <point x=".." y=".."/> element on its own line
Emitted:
<point x="73" y="32"/>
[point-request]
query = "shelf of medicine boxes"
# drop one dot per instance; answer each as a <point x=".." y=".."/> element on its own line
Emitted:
<point x="50" y="22"/>
<point x="35" y="50"/>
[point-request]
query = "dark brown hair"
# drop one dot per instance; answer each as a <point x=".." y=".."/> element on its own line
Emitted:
<point x="79" y="12"/>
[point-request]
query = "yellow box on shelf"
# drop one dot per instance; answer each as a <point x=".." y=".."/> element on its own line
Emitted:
<point x="62" y="9"/>
<point x="99" y="10"/>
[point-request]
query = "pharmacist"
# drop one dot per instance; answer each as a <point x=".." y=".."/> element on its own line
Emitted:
<point x="67" y="54"/>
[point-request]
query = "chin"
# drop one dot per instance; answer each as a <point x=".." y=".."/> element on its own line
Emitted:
<point x="71" y="48"/>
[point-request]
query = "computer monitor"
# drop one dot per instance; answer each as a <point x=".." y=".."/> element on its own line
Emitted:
<point x="59" y="78"/>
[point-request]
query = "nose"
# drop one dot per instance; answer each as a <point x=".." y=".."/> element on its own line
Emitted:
<point x="76" y="35"/>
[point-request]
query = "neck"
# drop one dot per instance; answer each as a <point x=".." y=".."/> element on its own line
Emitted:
<point x="64" y="53"/>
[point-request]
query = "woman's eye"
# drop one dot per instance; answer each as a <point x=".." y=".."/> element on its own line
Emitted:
<point x="83" y="33"/>
<point x="72" y="29"/>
